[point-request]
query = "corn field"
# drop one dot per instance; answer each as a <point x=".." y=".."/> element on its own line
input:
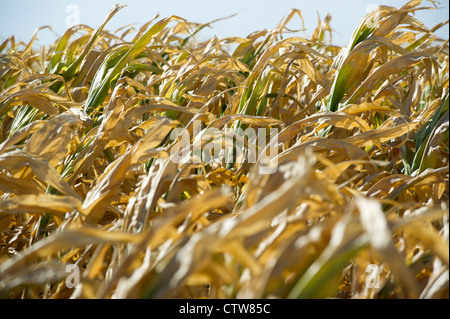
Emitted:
<point x="93" y="204"/>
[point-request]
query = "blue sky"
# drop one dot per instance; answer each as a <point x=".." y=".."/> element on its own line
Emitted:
<point x="21" y="17"/>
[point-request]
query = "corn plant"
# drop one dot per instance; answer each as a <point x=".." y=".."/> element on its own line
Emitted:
<point x="355" y="204"/>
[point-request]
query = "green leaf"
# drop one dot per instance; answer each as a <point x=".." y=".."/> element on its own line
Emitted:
<point x="115" y="62"/>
